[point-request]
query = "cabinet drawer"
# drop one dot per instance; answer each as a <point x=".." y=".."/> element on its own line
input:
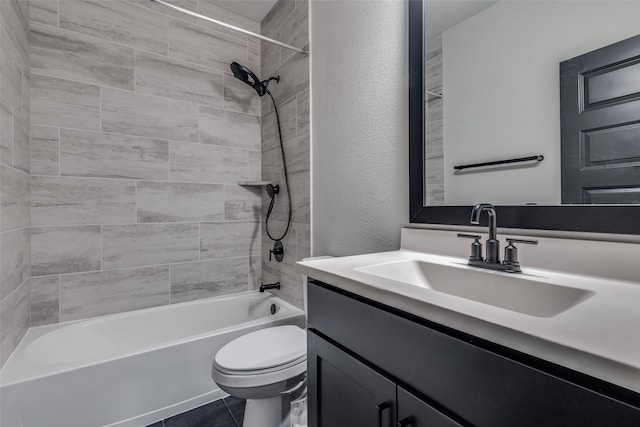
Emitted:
<point x="480" y="386"/>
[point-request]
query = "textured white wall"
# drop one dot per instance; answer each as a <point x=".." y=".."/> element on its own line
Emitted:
<point x="359" y="125"/>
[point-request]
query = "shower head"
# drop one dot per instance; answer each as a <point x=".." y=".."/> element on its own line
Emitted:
<point x="244" y="74"/>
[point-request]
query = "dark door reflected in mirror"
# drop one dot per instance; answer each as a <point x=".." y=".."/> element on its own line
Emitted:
<point x="487" y="89"/>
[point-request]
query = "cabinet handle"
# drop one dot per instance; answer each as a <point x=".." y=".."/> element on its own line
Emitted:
<point x="381" y="408"/>
<point x="405" y="422"/>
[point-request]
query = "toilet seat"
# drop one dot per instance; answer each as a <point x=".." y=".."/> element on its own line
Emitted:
<point x="262" y="351"/>
<point x="263" y="363"/>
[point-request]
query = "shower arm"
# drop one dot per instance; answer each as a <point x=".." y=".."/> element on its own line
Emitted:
<point x="232" y="27"/>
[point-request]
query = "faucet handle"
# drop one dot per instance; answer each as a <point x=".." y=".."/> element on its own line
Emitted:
<point x="511" y="252"/>
<point x="511" y="241"/>
<point x="476" y="246"/>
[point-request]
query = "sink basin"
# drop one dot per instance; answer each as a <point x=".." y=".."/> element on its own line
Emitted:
<point x="515" y="292"/>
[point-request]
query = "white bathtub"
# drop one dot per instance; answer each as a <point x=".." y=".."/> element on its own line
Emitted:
<point x="129" y="369"/>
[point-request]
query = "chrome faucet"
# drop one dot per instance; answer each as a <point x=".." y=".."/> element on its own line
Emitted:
<point x="492" y="262"/>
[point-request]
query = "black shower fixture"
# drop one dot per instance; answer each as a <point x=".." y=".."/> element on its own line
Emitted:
<point x="262" y="87"/>
<point x="246" y="75"/>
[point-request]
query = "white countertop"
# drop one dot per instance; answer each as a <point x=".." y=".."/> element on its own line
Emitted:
<point x="599" y="336"/>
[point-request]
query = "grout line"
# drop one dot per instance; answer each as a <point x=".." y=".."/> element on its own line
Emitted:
<point x="101" y="248"/>
<point x="59" y="298"/>
<point x="59" y="152"/>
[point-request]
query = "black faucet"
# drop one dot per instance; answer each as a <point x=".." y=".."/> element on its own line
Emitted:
<point x="268" y="286"/>
<point x="492" y="262"/>
<point x="493" y="245"/>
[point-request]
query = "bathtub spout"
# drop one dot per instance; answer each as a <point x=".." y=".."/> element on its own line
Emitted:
<point x="269" y="286"/>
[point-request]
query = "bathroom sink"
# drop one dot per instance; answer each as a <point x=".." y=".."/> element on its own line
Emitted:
<point x="516" y="292"/>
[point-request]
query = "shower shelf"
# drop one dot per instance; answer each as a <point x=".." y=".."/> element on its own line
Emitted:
<point x="254" y="183"/>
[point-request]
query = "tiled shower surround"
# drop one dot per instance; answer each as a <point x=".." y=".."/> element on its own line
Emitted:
<point x="123" y="136"/>
<point x="288" y="22"/>
<point x="15" y="268"/>
<point x="140" y="135"/>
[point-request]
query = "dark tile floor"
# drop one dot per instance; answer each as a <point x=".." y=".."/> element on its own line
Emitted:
<point x="228" y="412"/>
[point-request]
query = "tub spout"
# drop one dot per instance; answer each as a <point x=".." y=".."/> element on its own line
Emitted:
<point x="269" y="286"/>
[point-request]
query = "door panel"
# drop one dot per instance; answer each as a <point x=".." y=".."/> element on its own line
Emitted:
<point x="600" y="121"/>
<point x="344" y="392"/>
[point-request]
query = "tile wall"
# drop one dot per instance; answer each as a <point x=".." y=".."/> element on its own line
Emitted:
<point x="288" y="21"/>
<point x="434" y="122"/>
<point x="15" y="266"/>
<point x="139" y="136"/>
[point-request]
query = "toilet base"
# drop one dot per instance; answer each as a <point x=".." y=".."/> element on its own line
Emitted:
<point x="278" y="411"/>
<point x="271" y="412"/>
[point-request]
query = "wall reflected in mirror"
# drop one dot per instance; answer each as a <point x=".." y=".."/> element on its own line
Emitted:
<point x="493" y="93"/>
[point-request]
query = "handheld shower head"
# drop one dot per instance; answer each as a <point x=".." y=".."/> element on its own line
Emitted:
<point x="239" y="73"/>
<point x="244" y="74"/>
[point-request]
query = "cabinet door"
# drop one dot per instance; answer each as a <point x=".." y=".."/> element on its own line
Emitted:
<point x="413" y="412"/>
<point x="344" y="392"/>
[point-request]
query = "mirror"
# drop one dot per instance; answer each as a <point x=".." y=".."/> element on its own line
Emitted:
<point x="498" y="77"/>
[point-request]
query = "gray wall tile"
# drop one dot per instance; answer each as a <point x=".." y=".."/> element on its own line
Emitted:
<point x="143" y="115"/>
<point x="240" y="97"/>
<point x="67" y="201"/>
<point x="255" y="167"/>
<point x="204" y="46"/>
<point x="14" y="318"/>
<point x="14" y="19"/>
<point x="220" y="127"/>
<point x="191" y="5"/>
<point x="253" y="61"/>
<point x="15" y="266"/>
<point x="209" y="8"/>
<point x="303" y="241"/>
<point x="288" y="124"/>
<point x="303" y="113"/>
<point x="106" y="292"/>
<point x="45" y="148"/>
<point x="6" y="133"/>
<point x="294" y="78"/>
<point x="149" y="244"/>
<point x="179" y="202"/>
<point x="14" y="199"/>
<point x="206" y="279"/>
<point x="255" y="272"/>
<point x="229" y="239"/>
<point x="11" y="67"/>
<point x="241" y="203"/>
<point x="44" y="12"/>
<point x="21" y="154"/>
<point x="116" y="21"/>
<point x="57" y="102"/>
<point x="96" y="154"/>
<point x="157" y="75"/>
<point x="59" y="250"/>
<point x="74" y="56"/>
<point x="26" y="93"/>
<point x="288" y="20"/>
<point x="207" y="163"/>
<point x="45" y="300"/>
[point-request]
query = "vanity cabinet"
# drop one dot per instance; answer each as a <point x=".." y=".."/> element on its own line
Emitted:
<point x="373" y="365"/>
<point x="349" y="393"/>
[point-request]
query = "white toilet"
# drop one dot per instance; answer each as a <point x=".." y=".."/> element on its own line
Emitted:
<point x="268" y="368"/>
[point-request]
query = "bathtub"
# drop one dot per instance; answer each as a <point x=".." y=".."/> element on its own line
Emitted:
<point x="129" y="369"/>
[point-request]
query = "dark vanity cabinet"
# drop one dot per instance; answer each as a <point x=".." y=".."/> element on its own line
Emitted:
<point x="371" y="365"/>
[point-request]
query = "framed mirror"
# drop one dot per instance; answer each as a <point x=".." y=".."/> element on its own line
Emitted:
<point x="476" y="121"/>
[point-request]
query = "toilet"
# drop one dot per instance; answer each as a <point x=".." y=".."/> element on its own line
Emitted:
<point x="268" y="368"/>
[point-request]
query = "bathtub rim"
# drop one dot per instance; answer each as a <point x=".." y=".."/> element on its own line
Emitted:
<point x="38" y="331"/>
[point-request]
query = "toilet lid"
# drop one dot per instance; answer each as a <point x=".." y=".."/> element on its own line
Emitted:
<point x="264" y="349"/>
